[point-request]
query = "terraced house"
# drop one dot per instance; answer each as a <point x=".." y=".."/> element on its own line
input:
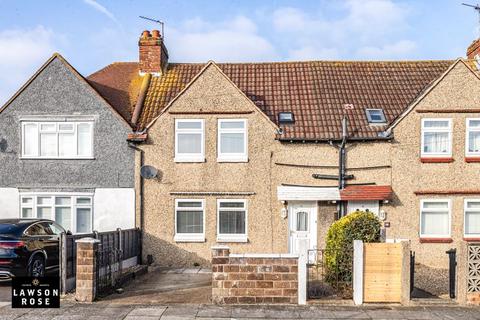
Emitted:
<point x="247" y="154"/>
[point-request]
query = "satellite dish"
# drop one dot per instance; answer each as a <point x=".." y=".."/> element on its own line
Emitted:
<point x="148" y="172"/>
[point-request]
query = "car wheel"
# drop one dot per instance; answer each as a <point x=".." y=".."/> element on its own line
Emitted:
<point x="37" y="267"/>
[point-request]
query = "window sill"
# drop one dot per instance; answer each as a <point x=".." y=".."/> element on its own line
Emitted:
<point x="472" y="159"/>
<point x="242" y="239"/>
<point x="189" y="160"/>
<point x="240" y="159"/>
<point x="183" y="238"/>
<point x="49" y="158"/>
<point x="436" y="240"/>
<point x="471" y="239"/>
<point x="436" y="159"/>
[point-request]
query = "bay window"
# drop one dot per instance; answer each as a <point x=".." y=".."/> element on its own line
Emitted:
<point x="189" y="140"/>
<point x="57" y="140"/>
<point x="472" y="218"/>
<point x="189" y="220"/>
<point x="436" y="138"/>
<point x="435" y="218"/>
<point x="231" y="220"/>
<point x="232" y="140"/>
<point x="72" y="212"/>
<point x="473" y="138"/>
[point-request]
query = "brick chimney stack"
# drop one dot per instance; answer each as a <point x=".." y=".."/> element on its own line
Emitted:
<point x="153" y="55"/>
<point x="474" y="49"/>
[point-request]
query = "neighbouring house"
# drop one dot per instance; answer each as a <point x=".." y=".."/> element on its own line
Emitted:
<point x="64" y="154"/>
<point x="247" y="153"/>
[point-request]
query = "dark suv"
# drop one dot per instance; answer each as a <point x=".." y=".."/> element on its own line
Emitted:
<point x="28" y="247"/>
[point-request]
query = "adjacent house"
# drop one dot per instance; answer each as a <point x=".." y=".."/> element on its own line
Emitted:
<point x="64" y="154"/>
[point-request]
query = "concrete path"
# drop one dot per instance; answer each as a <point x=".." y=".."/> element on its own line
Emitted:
<point x="176" y="312"/>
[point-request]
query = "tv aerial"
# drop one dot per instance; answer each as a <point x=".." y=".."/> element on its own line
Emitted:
<point x="156" y="21"/>
<point x="477" y="8"/>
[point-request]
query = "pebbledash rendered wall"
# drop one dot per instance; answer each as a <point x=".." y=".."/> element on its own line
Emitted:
<point x="270" y="164"/>
<point x="57" y="92"/>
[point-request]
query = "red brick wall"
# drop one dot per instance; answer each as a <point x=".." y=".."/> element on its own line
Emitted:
<point x="253" y="278"/>
<point x="153" y="55"/>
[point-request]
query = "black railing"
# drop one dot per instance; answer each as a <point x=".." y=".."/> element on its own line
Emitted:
<point x="108" y="270"/>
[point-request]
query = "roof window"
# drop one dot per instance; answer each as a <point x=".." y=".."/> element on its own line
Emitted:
<point x="286" y="117"/>
<point x="375" y="116"/>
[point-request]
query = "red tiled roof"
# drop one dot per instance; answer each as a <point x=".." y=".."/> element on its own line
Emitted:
<point x="366" y="193"/>
<point x="315" y="91"/>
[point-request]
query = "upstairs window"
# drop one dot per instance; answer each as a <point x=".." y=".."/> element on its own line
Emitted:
<point x="435" y="218"/>
<point x="57" y="140"/>
<point x="473" y="137"/>
<point x="189" y="140"/>
<point x="285" y="117"/>
<point x="375" y="116"/>
<point x="232" y="140"/>
<point x="436" y="138"/>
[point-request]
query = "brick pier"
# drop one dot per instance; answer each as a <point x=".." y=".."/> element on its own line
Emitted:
<point x="86" y="269"/>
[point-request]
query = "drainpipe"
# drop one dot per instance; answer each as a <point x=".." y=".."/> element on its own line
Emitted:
<point x="342" y="167"/>
<point x="140" y="194"/>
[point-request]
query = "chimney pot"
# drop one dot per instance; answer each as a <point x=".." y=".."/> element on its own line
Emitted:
<point x="146" y="34"/>
<point x="155" y="34"/>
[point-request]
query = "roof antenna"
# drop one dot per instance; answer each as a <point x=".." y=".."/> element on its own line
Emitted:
<point x="477" y="8"/>
<point x="157" y="21"/>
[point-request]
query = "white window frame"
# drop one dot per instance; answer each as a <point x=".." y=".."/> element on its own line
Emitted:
<point x="38" y="155"/>
<point x="232" y="157"/>
<point x="465" y="209"/>
<point x="52" y="195"/>
<point x="190" y="157"/>
<point x="425" y="130"/>
<point x="190" y="237"/>
<point x="226" y="237"/>
<point x="467" y="137"/>
<point x="449" y="235"/>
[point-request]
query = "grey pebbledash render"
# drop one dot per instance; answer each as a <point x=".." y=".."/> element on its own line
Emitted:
<point x="64" y="154"/>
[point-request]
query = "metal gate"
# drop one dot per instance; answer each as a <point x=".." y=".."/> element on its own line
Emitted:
<point x="330" y="274"/>
<point x="109" y="269"/>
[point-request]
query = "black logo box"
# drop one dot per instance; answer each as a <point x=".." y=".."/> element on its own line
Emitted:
<point x="31" y="292"/>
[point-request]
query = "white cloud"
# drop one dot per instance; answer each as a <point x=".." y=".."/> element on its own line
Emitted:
<point x="97" y="6"/>
<point x="234" y="40"/>
<point x="21" y="52"/>
<point x="366" y="24"/>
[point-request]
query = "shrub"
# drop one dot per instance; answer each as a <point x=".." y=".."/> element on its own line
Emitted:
<point x="359" y="225"/>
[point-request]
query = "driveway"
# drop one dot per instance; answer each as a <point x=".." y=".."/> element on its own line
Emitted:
<point x="166" y="286"/>
<point x="5" y="291"/>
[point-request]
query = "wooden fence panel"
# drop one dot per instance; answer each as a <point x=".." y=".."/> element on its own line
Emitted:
<point x="382" y="272"/>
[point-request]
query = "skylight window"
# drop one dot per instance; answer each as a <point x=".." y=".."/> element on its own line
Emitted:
<point x="375" y="116"/>
<point x="286" y="117"/>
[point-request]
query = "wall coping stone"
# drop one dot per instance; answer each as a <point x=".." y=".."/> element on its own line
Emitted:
<point x="264" y="255"/>
<point x="87" y="240"/>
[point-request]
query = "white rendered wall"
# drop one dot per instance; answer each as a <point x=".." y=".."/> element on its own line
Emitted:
<point x="113" y="208"/>
<point x="9" y="203"/>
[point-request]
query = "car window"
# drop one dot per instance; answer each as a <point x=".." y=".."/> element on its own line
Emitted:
<point x="36" y="230"/>
<point x="56" y="229"/>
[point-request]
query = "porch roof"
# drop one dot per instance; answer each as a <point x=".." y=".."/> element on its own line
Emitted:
<point x="366" y="193"/>
<point x="354" y="192"/>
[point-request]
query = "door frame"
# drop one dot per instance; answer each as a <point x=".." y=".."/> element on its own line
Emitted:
<point x="313" y="222"/>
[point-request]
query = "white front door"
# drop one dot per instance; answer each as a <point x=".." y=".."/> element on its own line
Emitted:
<point x="302" y="218"/>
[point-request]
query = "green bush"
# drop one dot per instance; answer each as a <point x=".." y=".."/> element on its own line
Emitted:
<point x="359" y="225"/>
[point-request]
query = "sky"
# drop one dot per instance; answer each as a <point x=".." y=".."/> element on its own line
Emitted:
<point x="90" y="34"/>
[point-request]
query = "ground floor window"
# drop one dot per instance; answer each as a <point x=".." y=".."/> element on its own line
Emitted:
<point x="189" y="220"/>
<point x="72" y="212"/>
<point x="472" y="218"/>
<point x="435" y="218"/>
<point x="231" y="220"/>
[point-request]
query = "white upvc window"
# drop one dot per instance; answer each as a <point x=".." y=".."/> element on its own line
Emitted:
<point x="189" y="220"/>
<point x="435" y="218"/>
<point x="232" y="140"/>
<point x="73" y="212"/>
<point x="472" y="146"/>
<point x="189" y="140"/>
<point x="57" y="140"/>
<point x="232" y="220"/>
<point x="472" y="218"/>
<point x="436" y="138"/>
